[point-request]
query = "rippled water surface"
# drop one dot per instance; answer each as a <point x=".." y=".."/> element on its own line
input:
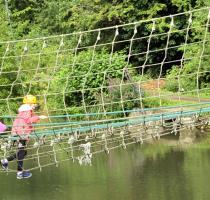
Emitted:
<point x="139" y="172"/>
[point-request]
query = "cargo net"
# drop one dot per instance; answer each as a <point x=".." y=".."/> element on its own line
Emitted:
<point x="95" y="89"/>
<point x="82" y="142"/>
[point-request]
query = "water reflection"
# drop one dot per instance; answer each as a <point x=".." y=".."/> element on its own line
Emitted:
<point x="148" y="172"/>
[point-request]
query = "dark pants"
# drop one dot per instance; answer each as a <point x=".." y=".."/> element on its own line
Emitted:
<point x="19" y="155"/>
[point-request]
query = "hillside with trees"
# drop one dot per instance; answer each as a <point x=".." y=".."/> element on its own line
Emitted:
<point x="42" y="18"/>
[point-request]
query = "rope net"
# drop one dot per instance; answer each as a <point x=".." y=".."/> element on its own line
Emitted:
<point x="95" y="87"/>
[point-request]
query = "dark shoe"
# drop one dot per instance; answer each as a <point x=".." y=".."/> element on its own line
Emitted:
<point x="24" y="174"/>
<point x="27" y="174"/>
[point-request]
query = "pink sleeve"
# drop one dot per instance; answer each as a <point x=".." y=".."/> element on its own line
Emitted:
<point x="33" y="119"/>
<point x="30" y="117"/>
<point x="3" y="127"/>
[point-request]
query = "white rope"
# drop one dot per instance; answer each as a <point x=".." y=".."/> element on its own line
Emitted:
<point x="186" y="122"/>
<point x="107" y="70"/>
<point x="3" y="58"/>
<point x="33" y="79"/>
<point x="202" y="52"/>
<point x="125" y="68"/>
<point x="105" y="137"/>
<point x="165" y="56"/>
<point x="38" y="159"/>
<point x="70" y="74"/>
<point x="66" y="50"/>
<point x="56" y="64"/>
<point x="89" y="70"/>
<point x="106" y="28"/>
<point x="183" y="55"/>
<point x="144" y="65"/>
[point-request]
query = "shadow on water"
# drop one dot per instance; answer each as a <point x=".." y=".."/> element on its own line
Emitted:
<point x="148" y="172"/>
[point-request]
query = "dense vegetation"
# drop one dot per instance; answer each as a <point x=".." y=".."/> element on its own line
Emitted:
<point x="36" y="18"/>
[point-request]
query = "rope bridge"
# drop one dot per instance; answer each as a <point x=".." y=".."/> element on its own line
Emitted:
<point x="92" y="87"/>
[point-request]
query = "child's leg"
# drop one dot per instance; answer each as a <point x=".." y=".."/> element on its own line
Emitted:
<point x="20" y="156"/>
<point x="14" y="155"/>
<point x="11" y="157"/>
<point x="21" y="153"/>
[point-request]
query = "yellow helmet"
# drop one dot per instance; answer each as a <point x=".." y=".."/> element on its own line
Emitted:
<point x="29" y="99"/>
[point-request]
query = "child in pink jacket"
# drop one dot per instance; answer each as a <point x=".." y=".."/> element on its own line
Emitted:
<point x="22" y="127"/>
<point x="23" y="124"/>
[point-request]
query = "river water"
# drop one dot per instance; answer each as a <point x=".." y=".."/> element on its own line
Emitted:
<point x="147" y="172"/>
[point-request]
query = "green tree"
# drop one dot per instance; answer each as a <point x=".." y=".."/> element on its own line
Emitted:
<point x="86" y="79"/>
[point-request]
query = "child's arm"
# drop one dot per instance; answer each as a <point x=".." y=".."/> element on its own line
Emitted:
<point x="29" y="117"/>
<point x="33" y="119"/>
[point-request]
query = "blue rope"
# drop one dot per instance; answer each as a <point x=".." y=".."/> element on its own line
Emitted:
<point x="121" y="112"/>
<point x="138" y="120"/>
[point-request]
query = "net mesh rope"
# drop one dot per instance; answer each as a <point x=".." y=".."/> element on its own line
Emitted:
<point x="85" y="67"/>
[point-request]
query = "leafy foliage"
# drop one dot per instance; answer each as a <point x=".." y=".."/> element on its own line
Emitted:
<point x="36" y="18"/>
<point x="85" y="78"/>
